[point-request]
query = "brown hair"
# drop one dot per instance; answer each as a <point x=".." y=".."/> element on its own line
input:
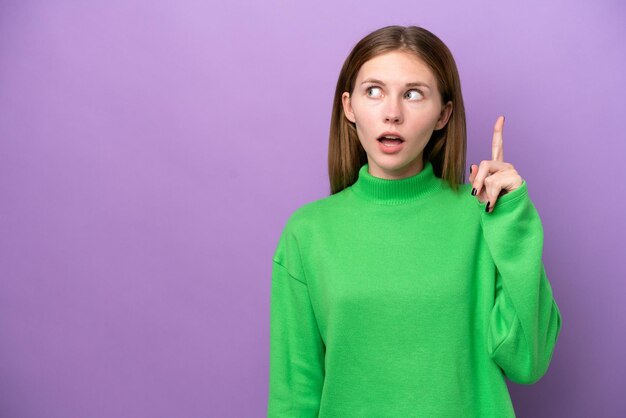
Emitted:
<point x="446" y="149"/>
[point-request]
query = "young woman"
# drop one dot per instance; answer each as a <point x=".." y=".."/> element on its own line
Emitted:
<point x="407" y="292"/>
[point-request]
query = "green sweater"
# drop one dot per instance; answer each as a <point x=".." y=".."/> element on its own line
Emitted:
<point x="402" y="298"/>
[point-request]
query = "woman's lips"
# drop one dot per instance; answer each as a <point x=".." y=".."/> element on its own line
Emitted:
<point x="390" y="149"/>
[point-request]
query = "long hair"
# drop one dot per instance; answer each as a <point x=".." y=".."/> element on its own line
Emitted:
<point x="446" y="148"/>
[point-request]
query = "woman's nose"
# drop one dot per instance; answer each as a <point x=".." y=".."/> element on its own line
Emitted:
<point x="393" y="113"/>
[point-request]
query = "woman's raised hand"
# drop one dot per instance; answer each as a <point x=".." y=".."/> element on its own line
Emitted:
<point x="494" y="178"/>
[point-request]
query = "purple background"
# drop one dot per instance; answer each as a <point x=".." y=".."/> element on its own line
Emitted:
<point x="151" y="152"/>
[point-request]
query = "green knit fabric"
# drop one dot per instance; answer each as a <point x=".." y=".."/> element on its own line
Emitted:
<point x="402" y="298"/>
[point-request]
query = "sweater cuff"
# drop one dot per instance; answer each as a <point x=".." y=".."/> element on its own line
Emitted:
<point x="507" y="199"/>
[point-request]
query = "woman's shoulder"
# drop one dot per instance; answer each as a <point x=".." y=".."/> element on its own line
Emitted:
<point x="318" y="210"/>
<point x="307" y="221"/>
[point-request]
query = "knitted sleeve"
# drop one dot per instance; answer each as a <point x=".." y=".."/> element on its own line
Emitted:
<point x="525" y="320"/>
<point x="296" y="375"/>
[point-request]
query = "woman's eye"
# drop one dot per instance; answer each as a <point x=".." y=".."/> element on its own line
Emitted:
<point x="369" y="89"/>
<point x="416" y="91"/>
<point x="374" y="88"/>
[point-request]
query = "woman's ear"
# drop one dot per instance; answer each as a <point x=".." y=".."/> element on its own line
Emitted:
<point x="347" y="107"/>
<point x="444" y="116"/>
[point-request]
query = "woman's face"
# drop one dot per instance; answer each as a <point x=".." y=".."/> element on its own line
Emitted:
<point x="395" y="92"/>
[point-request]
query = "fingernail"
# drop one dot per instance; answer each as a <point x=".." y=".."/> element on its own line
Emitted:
<point x="473" y="191"/>
<point x="487" y="207"/>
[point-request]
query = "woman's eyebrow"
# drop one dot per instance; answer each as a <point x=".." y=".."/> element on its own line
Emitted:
<point x="412" y="84"/>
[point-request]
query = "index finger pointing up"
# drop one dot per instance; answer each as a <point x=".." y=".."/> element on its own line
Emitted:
<point x="497" y="151"/>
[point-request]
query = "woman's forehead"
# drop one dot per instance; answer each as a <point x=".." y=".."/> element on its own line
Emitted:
<point x="396" y="67"/>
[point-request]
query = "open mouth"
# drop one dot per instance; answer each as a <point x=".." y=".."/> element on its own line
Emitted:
<point x="390" y="140"/>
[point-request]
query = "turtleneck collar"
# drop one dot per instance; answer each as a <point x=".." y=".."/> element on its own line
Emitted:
<point x="396" y="191"/>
